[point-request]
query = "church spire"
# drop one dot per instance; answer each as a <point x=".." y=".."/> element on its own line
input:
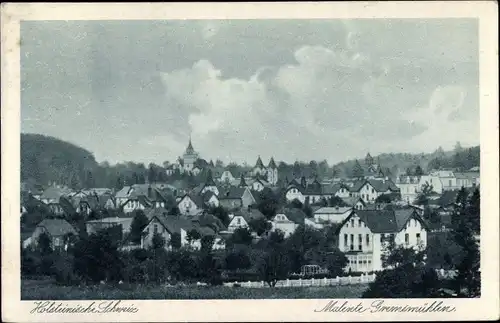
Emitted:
<point x="190" y="149"/>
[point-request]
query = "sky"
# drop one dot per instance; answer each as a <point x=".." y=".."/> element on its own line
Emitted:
<point x="292" y="89"/>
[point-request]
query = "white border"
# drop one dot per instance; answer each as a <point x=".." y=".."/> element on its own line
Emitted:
<point x="487" y="307"/>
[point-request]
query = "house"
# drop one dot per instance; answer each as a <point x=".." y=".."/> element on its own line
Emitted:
<point x="409" y="187"/>
<point x="370" y="189"/>
<point x="295" y="192"/>
<point x="165" y="226"/>
<point x="258" y="184"/>
<point x="431" y="180"/>
<point x="364" y="235"/>
<point x="356" y="203"/>
<point x="242" y="218"/>
<point x="140" y="202"/>
<point x="94" y="226"/>
<point x="208" y="185"/>
<point x="57" y="229"/>
<point x="467" y="179"/>
<point x="237" y="197"/>
<point x="191" y="204"/>
<point x="227" y="176"/>
<point x="52" y="194"/>
<point x="288" y="220"/>
<point x="332" y="214"/>
<point x="341" y="190"/>
<point x="210" y="199"/>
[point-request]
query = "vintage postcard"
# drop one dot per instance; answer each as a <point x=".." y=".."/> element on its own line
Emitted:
<point x="250" y="162"/>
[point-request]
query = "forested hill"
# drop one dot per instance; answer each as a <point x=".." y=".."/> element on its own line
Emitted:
<point x="47" y="159"/>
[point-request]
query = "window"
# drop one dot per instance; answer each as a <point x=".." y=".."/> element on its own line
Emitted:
<point x="367" y="240"/>
<point x="360" y="242"/>
<point x="155" y="229"/>
<point x="382" y="237"/>
<point x="369" y="261"/>
<point x="238" y="221"/>
<point x="418" y="237"/>
<point x="359" y="222"/>
<point x="352" y="242"/>
<point x="373" y="191"/>
<point x="345" y="239"/>
<point x="352" y="223"/>
<point x="407" y="238"/>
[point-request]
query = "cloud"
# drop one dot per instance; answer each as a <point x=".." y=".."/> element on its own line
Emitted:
<point x="295" y="89"/>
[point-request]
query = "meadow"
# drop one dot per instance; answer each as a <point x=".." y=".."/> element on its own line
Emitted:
<point x="48" y="290"/>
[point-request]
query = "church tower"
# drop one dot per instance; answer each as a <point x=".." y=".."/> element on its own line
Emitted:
<point x="190" y="157"/>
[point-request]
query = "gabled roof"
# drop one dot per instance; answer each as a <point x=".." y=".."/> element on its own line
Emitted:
<point x="173" y="224"/>
<point x="123" y="193"/>
<point x="249" y="214"/>
<point x="385" y="221"/>
<point x="57" y="227"/>
<point x="233" y="193"/>
<point x="293" y="214"/>
<point x="352" y="200"/>
<point x="53" y="192"/>
<point x="197" y="200"/>
<point x="380" y="185"/>
<point x="298" y="187"/>
<point x="208" y="195"/>
<point x="209" y="220"/>
<point x="333" y="210"/>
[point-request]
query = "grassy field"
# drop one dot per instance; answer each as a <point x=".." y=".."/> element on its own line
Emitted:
<point x="47" y="290"/>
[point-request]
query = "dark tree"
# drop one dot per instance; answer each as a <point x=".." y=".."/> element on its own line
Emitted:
<point x="175" y="240"/>
<point x="407" y="278"/>
<point x="192" y="236"/>
<point x="158" y="241"/>
<point x="260" y="225"/>
<point x="220" y="213"/>
<point x="139" y="222"/>
<point x="468" y="280"/>
<point x="237" y="260"/>
<point x="44" y="244"/>
<point x="418" y="171"/>
<point x="384" y="198"/>
<point x="96" y="258"/>
<point x="207" y="243"/>
<point x="336" y="201"/>
<point x="241" y="236"/>
<point x="357" y="170"/>
<point x="268" y="203"/>
<point x="273" y="265"/>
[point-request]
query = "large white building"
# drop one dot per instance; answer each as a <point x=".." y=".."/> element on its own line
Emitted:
<point x="364" y="235"/>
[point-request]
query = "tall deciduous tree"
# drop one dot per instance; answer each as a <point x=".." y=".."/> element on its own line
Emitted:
<point x="138" y="224"/>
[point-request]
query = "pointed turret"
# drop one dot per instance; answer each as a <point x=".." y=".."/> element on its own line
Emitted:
<point x="259" y="163"/>
<point x="190" y="149"/>
<point x="272" y="164"/>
